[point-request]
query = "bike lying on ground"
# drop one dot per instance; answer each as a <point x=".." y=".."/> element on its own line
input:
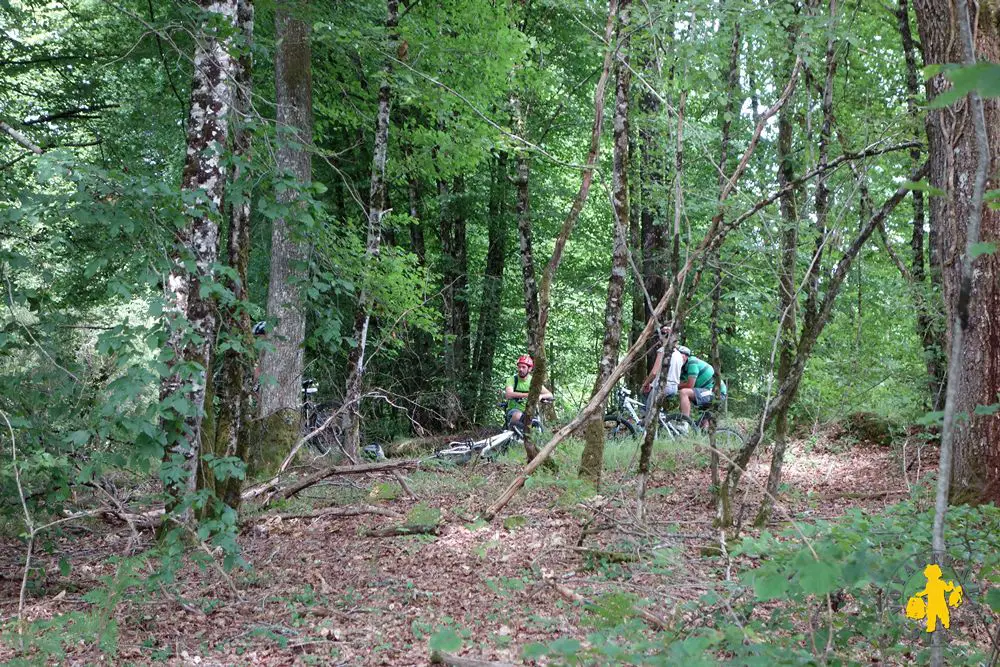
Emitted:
<point x="627" y="421"/>
<point x="489" y="448"/>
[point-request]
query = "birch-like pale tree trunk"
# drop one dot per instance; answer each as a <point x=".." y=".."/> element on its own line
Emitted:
<point x="376" y="207"/>
<point x="232" y="432"/>
<point x="281" y="366"/>
<point x="592" y="459"/>
<point x="191" y="316"/>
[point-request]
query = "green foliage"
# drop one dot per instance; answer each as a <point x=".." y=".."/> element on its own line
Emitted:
<point x="423" y="514"/>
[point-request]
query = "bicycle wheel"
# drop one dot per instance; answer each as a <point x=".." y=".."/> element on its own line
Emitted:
<point x="325" y="441"/>
<point x="457" y="453"/>
<point x="616" y="428"/>
<point x="728" y="440"/>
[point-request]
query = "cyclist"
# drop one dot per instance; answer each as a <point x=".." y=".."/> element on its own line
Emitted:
<point x="673" y="371"/>
<point x="516" y="391"/>
<point x="697" y="382"/>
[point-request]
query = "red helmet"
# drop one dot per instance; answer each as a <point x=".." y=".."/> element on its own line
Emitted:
<point x="527" y="360"/>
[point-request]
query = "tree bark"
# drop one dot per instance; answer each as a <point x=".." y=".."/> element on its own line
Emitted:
<point x="232" y="432"/>
<point x="191" y="315"/>
<point x="376" y="203"/>
<point x="972" y="304"/>
<point x="592" y="459"/>
<point x="655" y="237"/>
<point x="281" y="366"/>
<point x="455" y="303"/>
<point x="787" y="304"/>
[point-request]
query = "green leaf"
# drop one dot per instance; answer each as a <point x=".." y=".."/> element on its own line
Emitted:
<point x="64" y="567"/>
<point x="770" y="586"/>
<point x="819" y="578"/>
<point x="924" y="186"/>
<point x="446" y="640"/>
<point x="993" y="599"/>
<point x="982" y="248"/>
<point x="987" y="409"/>
<point x="931" y="419"/>
<point x="930" y="71"/>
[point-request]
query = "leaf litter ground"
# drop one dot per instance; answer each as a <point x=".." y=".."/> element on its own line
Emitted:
<point x="322" y="591"/>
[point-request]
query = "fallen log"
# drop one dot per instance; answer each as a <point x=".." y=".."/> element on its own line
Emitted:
<point x="305" y="483"/>
<point x="405" y="529"/>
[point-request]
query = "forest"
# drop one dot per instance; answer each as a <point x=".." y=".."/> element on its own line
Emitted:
<point x="280" y="278"/>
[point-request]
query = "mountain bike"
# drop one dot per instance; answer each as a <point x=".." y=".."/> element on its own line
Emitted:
<point x="489" y="448"/>
<point x="315" y="415"/>
<point x="675" y="425"/>
<point x="627" y="421"/>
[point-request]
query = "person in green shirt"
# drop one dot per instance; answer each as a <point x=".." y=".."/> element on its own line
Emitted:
<point x="516" y="391"/>
<point x="697" y="382"/>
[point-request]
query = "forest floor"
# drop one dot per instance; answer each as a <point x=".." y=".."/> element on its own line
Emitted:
<point x="326" y="590"/>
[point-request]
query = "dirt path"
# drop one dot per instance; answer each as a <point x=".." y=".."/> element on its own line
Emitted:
<point x="322" y="592"/>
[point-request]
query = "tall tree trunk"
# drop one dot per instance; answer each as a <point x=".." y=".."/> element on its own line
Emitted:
<point x="592" y="459"/>
<point x="488" y="327"/>
<point x="930" y="317"/>
<point x="191" y="315"/>
<point x="655" y="236"/>
<point x="788" y="296"/>
<point x="732" y="75"/>
<point x="376" y="205"/>
<point x="545" y="290"/>
<point x="638" y="315"/>
<point x="787" y="304"/>
<point x="281" y="366"/>
<point x="455" y="302"/>
<point x="972" y="304"/>
<point x="232" y="426"/>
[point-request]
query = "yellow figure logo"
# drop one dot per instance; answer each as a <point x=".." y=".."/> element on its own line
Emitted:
<point x="934" y="606"/>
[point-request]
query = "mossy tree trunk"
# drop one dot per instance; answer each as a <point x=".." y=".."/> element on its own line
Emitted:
<point x="282" y="365"/>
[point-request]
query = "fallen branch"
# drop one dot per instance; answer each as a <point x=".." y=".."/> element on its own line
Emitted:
<point x="442" y="658"/>
<point x="331" y="511"/>
<point x="397" y="531"/>
<point x="655" y="621"/>
<point x="362" y="469"/>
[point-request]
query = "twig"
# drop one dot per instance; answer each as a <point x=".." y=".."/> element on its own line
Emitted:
<point x="20" y="138"/>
